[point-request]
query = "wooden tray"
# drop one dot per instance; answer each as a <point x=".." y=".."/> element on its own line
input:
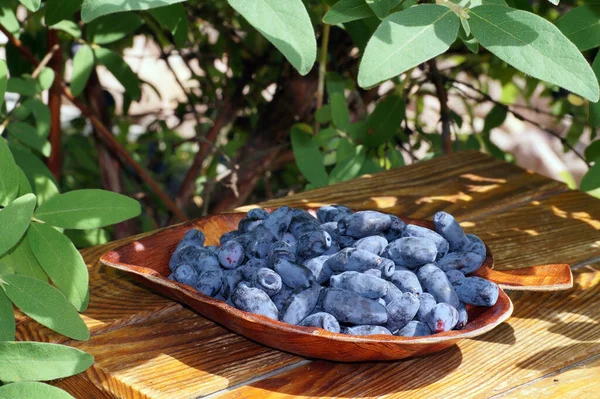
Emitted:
<point x="148" y="261"/>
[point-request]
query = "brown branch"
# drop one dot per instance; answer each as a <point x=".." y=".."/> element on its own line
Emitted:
<point x="54" y="103"/>
<point x="438" y="80"/>
<point x="107" y="137"/>
<point x="519" y="116"/>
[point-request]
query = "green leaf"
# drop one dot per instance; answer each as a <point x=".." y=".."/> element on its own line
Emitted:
<point x="349" y="167"/>
<point x="9" y="20"/>
<point x="362" y="30"/>
<point x="23" y="261"/>
<point x="7" y="315"/>
<point x="534" y="46"/>
<point x="92" y="9"/>
<point x="595" y="107"/>
<point x="32" y="390"/>
<point x="495" y="118"/>
<point x="381" y="8"/>
<point x="14" y="221"/>
<point x="28" y="135"/>
<point x="61" y="261"/>
<point x="345" y="150"/>
<point x="69" y="27"/>
<point x="41" y="179"/>
<point x="475" y="3"/>
<point x="32" y="5"/>
<point x="323" y="114"/>
<point x="346" y="11"/>
<point x="119" y="68"/>
<point x="5" y="269"/>
<point x="25" y="87"/>
<point x="308" y="157"/>
<point x="37" y="361"/>
<point x="46" y="78"/>
<point x="469" y="41"/>
<point x="24" y="186"/>
<point x="286" y="25"/>
<point x="83" y="64"/>
<point x="581" y="25"/>
<point x="325" y="136"/>
<point x="405" y="39"/>
<point x="3" y="80"/>
<point x="384" y="121"/>
<point x="88" y="209"/>
<point x="111" y="28"/>
<point x="46" y="305"/>
<point x="592" y="152"/>
<point x="174" y="19"/>
<point x="334" y="83"/>
<point x="591" y="180"/>
<point x="41" y="113"/>
<point x="339" y="111"/>
<point x="57" y="10"/>
<point x="9" y="177"/>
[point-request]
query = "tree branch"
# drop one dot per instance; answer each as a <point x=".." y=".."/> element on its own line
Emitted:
<point x="439" y="81"/>
<point x="322" y="71"/>
<point x="107" y="137"/>
<point x="54" y="103"/>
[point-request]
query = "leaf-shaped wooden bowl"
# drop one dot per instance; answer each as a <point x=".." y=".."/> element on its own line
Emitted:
<point x="148" y="261"/>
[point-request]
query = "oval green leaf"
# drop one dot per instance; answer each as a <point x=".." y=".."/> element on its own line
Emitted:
<point x="405" y="39"/>
<point x="83" y="64"/>
<point x="3" y="80"/>
<point x="88" y="209"/>
<point x="174" y="19"/>
<point x="24" y="186"/>
<point x="40" y="112"/>
<point x="534" y="46"/>
<point x="14" y="221"/>
<point x="40" y="178"/>
<point x="69" y="27"/>
<point x="581" y="25"/>
<point x="57" y="10"/>
<point x="384" y="121"/>
<point x="46" y="78"/>
<point x="308" y="157"/>
<point x="347" y="10"/>
<point x="22" y="86"/>
<point x="92" y="9"/>
<point x="22" y="260"/>
<point x="32" y="390"/>
<point x="121" y="71"/>
<point x="591" y="180"/>
<point x="111" y="28"/>
<point x="286" y="25"/>
<point x="9" y="20"/>
<point x="28" y="135"/>
<point x="46" y="305"/>
<point x="381" y="8"/>
<point x="592" y="152"/>
<point x="9" y="178"/>
<point x="7" y="315"/>
<point x="61" y="261"/>
<point x="349" y="167"/>
<point x="32" y="5"/>
<point x="339" y="111"/>
<point x="37" y="361"/>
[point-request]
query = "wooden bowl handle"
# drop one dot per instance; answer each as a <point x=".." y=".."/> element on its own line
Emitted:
<point x="536" y="278"/>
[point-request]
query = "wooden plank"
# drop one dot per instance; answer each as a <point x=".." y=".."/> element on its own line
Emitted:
<point x="576" y="382"/>
<point x="563" y="228"/>
<point x="549" y="331"/>
<point x="180" y="355"/>
<point x="81" y="387"/>
<point x="467" y="184"/>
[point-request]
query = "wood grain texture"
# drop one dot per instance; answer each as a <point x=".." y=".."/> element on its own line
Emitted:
<point x="181" y="355"/>
<point x="553" y="330"/>
<point x="467" y="184"/>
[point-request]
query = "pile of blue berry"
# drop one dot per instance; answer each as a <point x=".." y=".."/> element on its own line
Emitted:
<point x="359" y="273"/>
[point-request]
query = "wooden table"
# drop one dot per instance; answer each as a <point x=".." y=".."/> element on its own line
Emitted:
<point x="147" y="346"/>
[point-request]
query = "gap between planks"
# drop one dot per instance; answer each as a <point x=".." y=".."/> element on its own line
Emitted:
<point x="583" y="362"/>
<point x="256" y="379"/>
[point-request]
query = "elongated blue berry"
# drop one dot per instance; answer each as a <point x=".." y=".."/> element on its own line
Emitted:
<point x="411" y="252"/>
<point x="427" y="302"/>
<point x="312" y="244"/>
<point x="440" y="242"/>
<point x="450" y="229"/>
<point x="300" y="304"/>
<point x="364" y="223"/>
<point x="254" y="300"/>
<point x="466" y="262"/>
<point x="363" y="284"/>
<point x="210" y="281"/>
<point x="401" y="311"/>
<point x="349" y="307"/>
<point x="406" y="281"/>
<point x="322" y="320"/>
<point x="267" y="280"/>
<point x="373" y="244"/>
<point x="316" y="266"/>
<point x="185" y="274"/>
<point x="352" y="259"/>
<point x="231" y="254"/>
<point x="278" y="221"/>
<point x="435" y="281"/>
<point x="477" y="291"/>
<point x="293" y="275"/>
<point x="442" y="317"/>
<point x="414" y="328"/>
<point x="366" y="330"/>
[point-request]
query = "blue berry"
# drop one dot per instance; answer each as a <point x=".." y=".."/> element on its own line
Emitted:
<point x="366" y="330"/>
<point x="278" y="221"/>
<point x="454" y="276"/>
<point x="230" y="235"/>
<point x="411" y="252"/>
<point x="192" y="237"/>
<point x="185" y="274"/>
<point x="332" y="213"/>
<point x="301" y="228"/>
<point x="373" y="244"/>
<point x="442" y="317"/>
<point x="231" y="279"/>
<point x="247" y="225"/>
<point x="254" y="300"/>
<point x="463" y="317"/>
<point x="300" y="304"/>
<point x="401" y="311"/>
<point x="440" y="242"/>
<point x="198" y="257"/>
<point x="282" y="296"/>
<point x="475" y="245"/>
<point x="349" y="307"/>
<point x="477" y="291"/>
<point x="312" y="244"/>
<point x="364" y="223"/>
<point x="363" y="284"/>
<point x="316" y="266"/>
<point x="332" y="229"/>
<point x="231" y="254"/>
<point x="257" y="213"/>
<point x="406" y="281"/>
<point x="414" y="329"/>
<point x="434" y="281"/>
<point x="278" y="250"/>
<point x="373" y="272"/>
<point x="293" y="275"/>
<point x="450" y="229"/>
<point x="396" y="228"/>
<point x="267" y="280"/>
<point x="249" y="268"/>
<point x="321" y="320"/>
<point x="393" y="293"/>
<point x="466" y="262"/>
<point x="427" y="302"/>
<point x="352" y="259"/>
<point x="210" y="281"/>
<point x="387" y="268"/>
<point x="289" y="239"/>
